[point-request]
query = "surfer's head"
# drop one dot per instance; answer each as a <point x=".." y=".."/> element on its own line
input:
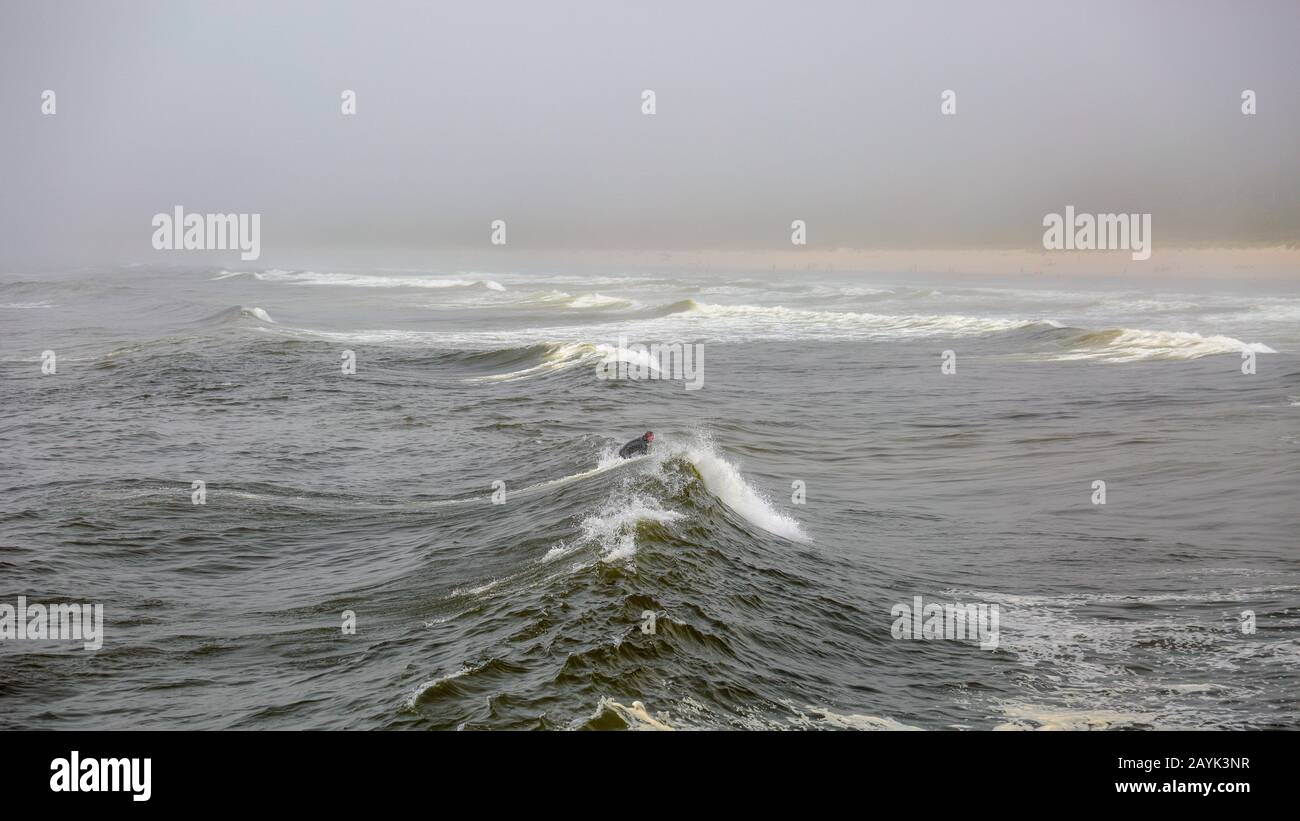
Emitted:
<point x="649" y="436"/>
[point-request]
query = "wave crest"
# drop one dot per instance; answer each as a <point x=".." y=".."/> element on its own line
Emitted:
<point x="1128" y="344"/>
<point x="362" y="280"/>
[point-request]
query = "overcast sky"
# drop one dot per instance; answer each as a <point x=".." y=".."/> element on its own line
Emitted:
<point x="531" y="112"/>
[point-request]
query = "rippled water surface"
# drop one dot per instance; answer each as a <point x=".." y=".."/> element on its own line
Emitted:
<point x="373" y="493"/>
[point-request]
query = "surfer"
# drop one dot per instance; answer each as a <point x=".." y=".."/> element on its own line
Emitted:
<point x="637" y="447"/>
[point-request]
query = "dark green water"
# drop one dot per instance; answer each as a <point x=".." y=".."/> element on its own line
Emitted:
<point x="372" y="493"/>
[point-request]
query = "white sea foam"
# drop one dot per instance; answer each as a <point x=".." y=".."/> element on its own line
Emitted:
<point x="635" y="716"/>
<point x="868" y="323"/>
<point x="614" y="528"/>
<point x="1127" y="345"/>
<point x="1037" y="717"/>
<point x="598" y="301"/>
<point x="706" y="322"/>
<point x="725" y="481"/>
<point x="363" y="280"/>
<point x="608" y="461"/>
<point x="855" y="721"/>
<point x="243" y="312"/>
<point x="1070" y="657"/>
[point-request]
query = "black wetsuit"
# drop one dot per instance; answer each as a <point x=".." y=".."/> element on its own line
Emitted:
<point x="637" y="447"/>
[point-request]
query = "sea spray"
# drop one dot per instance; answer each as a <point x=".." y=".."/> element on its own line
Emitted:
<point x="724" y="480"/>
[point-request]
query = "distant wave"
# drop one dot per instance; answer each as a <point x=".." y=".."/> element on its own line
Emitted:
<point x="903" y="324"/>
<point x="362" y="280"/>
<point x="563" y="356"/>
<point x="549" y="350"/>
<point x="236" y="313"/>
<point x="554" y="357"/>
<point x="1127" y="345"/>
<point x="589" y="301"/>
<point x="683" y="306"/>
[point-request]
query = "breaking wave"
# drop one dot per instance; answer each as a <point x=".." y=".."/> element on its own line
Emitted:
<point x="363" y="280"/>
<point x="1128" y="345"/>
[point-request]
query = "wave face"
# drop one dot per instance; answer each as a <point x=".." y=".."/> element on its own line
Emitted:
<point x="1127" y="345"/>
<point x="459" y="493"/>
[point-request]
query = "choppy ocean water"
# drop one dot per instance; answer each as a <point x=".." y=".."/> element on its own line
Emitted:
<point x="373" y="492"/>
